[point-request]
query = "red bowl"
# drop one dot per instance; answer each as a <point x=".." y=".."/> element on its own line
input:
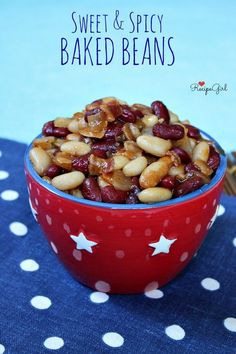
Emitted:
<point x="121" y="248"/>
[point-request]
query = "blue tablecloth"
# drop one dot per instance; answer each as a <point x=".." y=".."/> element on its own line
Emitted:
<point x="43" y="309"/>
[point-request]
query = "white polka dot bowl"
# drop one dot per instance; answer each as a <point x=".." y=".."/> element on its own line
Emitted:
<point x="120" y="248"/>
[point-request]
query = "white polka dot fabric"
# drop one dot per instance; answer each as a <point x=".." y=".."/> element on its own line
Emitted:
<point x="3" y="174"/>
<point x="53" y="343"/>
<point x="44" y="310"/>
<point x="113" y="339"/>
<point x="2" y="349"/>
<point x="99" y="297"/>
<point x="175" y="332"/>
<point x="41" y="302"/>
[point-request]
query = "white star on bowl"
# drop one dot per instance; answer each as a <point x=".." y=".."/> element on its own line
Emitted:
<point x="82" y="243"/>
<point x="34" y="211"/>
<point x="162" y="246"/>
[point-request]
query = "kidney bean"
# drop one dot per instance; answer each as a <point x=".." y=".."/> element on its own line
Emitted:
<point x="90" y="189"/>
<point x="214" y="159"/>
<point x="135" y="182"/>
<point x="191" y="167"/>
<point x="53" y="171"/>
<point x="133" y="195"/>
<point x="184" y="156"/>
<point x="193" y="132"/>
<point x="100" y="153"/>
<point x="113" y="111"/>
<point x="114" y="129"/>
<point x="92" y="112"/>
<point x="112" y="195"/>
<point x="128" y="115"/>
<point x="81" y="163"/>
<point x="94" y="104"/>
<point x="60" y="132"/>
<point x="168" y="182"/>
<point x="106" y="146"/>
<point x="188" y="186"/>
<point x="48" y="128"/>
<point x="138" y="113"/>
<point x="161" y="111"/>
<point x="164" y="131"/>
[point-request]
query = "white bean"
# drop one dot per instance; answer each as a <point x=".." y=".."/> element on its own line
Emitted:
<point x="40" y="159"/>
<point x="147" y="131"/>
<point x="102" y="183"/>
<point x="135" y="167"/>
<point x="149" y="120"/>
<point x="153" y="173"/>
<point x="204" y="168"/>
<point x="192" y="142"/>
<point x="201" y="151"/>
<point x="120" y="161"/>
<point x="131" y="131"/>
<point x="77" y="148"/>
<point x="185" y="144"/>
<point x="177" y="170"/>
<point x="74" y="126"/>
<point x="73" y="137"/>
<point x="185" y="121"/>
<point x="47" y="179"/>
<point x="173" y="117"/>
<point x="46" y="142"/>
<point x="68" y="180"/>
<point x="153" y="195"/>
<point x="77" y="193"/>
<point x="108" y="99"/>
<point x="62" y="122"/>
<point x="154" y="145"/>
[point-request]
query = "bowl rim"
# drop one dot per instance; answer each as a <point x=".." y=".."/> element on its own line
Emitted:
<point x="176" y="201"/>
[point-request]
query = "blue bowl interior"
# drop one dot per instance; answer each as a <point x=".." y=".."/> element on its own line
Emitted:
<point x="218" y="176"/>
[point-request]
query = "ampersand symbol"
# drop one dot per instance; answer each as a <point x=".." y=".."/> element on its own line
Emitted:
<point x="117" y="24"/>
